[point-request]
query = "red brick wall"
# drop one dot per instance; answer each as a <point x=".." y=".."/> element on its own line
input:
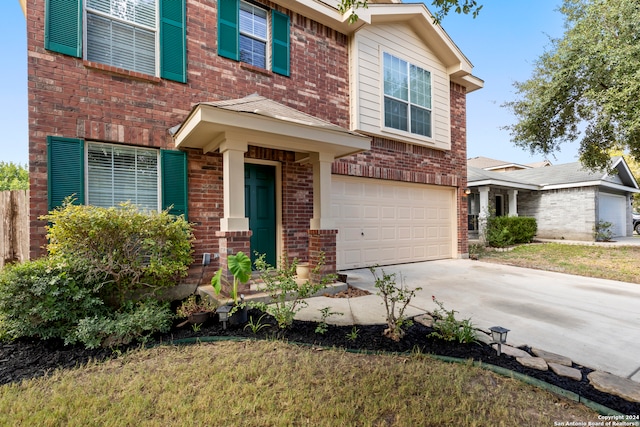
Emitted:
<point x="399" y="161"/>
<point x="73" y="98"/>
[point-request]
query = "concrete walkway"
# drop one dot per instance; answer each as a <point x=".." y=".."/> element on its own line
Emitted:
<point x="594" y="322"/>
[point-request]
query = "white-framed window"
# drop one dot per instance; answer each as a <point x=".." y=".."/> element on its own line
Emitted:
<point x="407" y="97"/>
<point x="117" y="173"/>
<point x="122" y="33"/>
<point x="253" y="34"/>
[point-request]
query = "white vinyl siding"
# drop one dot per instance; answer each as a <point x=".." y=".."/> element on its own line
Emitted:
<point x="117" y="174"/>
<point x="370" y="44"/>
<point x="122" y="33"/>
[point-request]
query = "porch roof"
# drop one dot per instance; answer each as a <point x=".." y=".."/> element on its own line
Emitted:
<point x="265" y="123"/>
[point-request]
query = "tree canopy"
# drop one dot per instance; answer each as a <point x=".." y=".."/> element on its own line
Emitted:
<point x="586" y="87"/>
<point x="441" y="8"/>
<point x="13" y="176"/>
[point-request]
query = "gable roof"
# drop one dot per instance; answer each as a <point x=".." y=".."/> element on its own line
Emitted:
<point x="415" y="15"/>
<point x="488" y="163"/>
<point x="566" y="175"/>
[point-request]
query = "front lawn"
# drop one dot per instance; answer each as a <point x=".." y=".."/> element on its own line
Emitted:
<point x="271" y="383"/>
<point x="607" y="262"/>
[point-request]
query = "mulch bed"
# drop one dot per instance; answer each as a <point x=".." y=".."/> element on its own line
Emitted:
<point x="29" y="358"/>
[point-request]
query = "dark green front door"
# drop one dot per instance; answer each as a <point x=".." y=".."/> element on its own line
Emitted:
<point x="260" y="208"/>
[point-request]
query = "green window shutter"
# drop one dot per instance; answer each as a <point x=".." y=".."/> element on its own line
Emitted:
<point x="65" y="170"/>
<point x="63" y="27"/>
<point x="228" y="30"/>
<point x="173" y="40"/>
<point x="280" y="48"/>
<point x="174" y="181"/>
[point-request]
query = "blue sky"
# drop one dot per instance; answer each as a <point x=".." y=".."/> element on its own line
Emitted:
<point x="502" y="43"/>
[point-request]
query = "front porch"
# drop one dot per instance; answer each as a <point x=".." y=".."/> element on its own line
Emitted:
<point x="301" y="150"/>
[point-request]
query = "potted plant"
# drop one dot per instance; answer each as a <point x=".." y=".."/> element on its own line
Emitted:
<point x="240" y="266"/>
<point x="196" y="310"/>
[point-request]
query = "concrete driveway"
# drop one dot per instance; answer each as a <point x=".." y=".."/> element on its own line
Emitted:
<point x="594" y="322"/>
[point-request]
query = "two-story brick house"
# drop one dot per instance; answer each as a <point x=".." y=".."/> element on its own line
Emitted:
<point x="275" y="126"/>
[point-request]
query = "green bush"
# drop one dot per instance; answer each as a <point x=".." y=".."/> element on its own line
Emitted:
<point x="448" y="328"/>
<point x="45" y="300"/>
<point x="287" y="295"/>
<point x="135" y="322"/>
<point x="121" y="248"/>
<point x="503" y="231"/>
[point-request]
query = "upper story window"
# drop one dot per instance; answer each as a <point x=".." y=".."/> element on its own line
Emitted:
<point x="254" y="35"/>
<point x="145" y="36"/>
<point x="122" y="33"/>
<point x="407" y="97"/>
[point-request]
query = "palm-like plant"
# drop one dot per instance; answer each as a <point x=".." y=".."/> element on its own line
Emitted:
<point x="240" y="266"/>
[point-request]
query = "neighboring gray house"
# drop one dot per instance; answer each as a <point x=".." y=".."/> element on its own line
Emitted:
<point x="566" y="200"/>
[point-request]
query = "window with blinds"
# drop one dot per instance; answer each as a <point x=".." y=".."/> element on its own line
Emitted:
<point x="122" y="33"/>
<point x="253" y="35"/>
<point x="117" y="174"/>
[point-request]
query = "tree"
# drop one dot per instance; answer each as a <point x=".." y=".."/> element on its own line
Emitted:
<point x="442" y="8"/>
<point x="585" y="87"/>
<point x="13" y="176"/>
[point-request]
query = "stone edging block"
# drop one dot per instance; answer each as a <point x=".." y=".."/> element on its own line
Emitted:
<point x="566" y="371"/>
<point x="533" y="362"/>
<point x="612" y="384"/>
<point x="552" y="357"/>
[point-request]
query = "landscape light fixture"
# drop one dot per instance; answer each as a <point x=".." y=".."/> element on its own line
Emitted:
<point x="223" y="315"/>
<point x="499" y="335"/>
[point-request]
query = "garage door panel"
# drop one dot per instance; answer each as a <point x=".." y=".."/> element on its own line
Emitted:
<point x="612" y="208"/>
<point x="388" y="233"/>
<point x="404" y="233"/>
<point x="387" y="222"/>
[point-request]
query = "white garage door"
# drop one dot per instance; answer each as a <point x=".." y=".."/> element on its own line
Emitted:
<point x="386" y="222"/>
<point x="613" y="209"/>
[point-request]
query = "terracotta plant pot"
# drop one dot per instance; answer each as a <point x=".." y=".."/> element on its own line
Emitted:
<point x="302" y="270"/>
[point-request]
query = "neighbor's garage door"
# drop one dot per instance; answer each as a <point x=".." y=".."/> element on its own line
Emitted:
<point x="613" y="209"/>
<point x="386" y="222"/>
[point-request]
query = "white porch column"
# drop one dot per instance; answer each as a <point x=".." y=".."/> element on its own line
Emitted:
<point x="233" y="184"/>
<point x="484" y="210"/>
<point x="513" y="202"/>
<point x="321" y="163"/>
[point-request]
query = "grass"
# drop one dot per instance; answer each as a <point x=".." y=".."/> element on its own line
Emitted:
<point x="274" y="384"/>
<point x="613" y="262"/>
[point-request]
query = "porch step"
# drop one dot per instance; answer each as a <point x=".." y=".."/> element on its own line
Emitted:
<point x="256" y="295"/>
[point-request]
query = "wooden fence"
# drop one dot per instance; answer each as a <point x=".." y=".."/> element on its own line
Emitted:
<point x="14" y="226"/>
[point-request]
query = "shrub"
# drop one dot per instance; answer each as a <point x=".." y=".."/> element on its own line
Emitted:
<point x="46" y="300"/>
<point x="503" y="231"/>
<point x="448" y="328"/>
<point x="393" y="294"/>
<point x="287" y="295"/>
<point x="121" y="248"/>
<point x="135" y="322"/>
<point x="602" y="231"/>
